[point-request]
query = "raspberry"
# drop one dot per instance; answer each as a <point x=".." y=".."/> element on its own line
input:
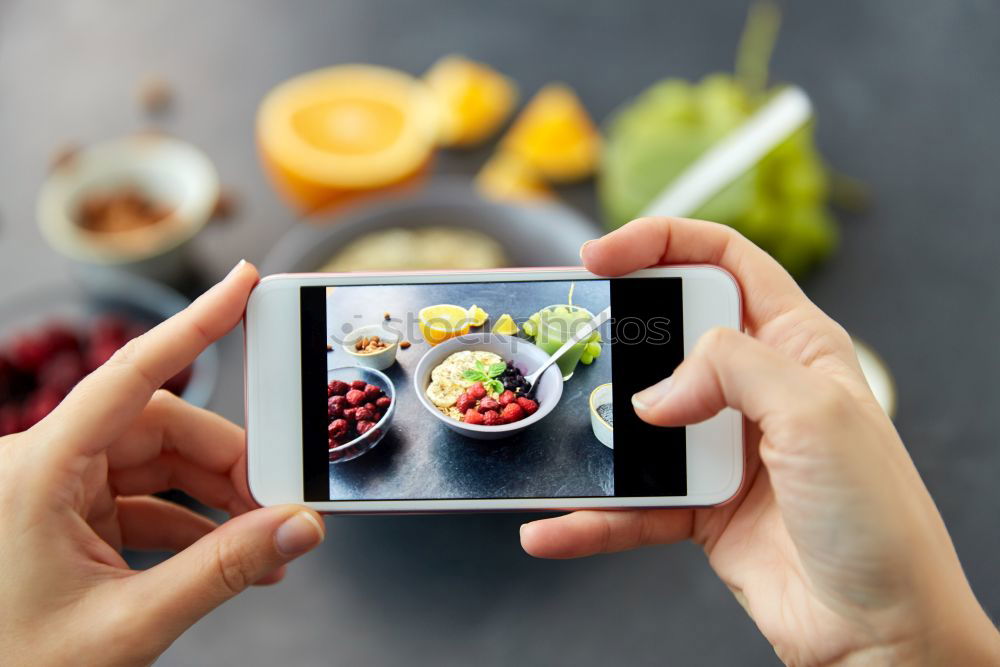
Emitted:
<point x="465" y="402"/>
<point x="337" y="429"/>
<point x="477" y="390"/>
<point x="491" y="418"/>
<point x="359" y="385"/>
<point x="370" y="406"/>
<point x="337" y="388"/>
<point x="356" y="397"/>
<point x="512" y="412"/>
<point x="383" y="402"/>
<point x="339" y="401"/>
<point x="527" y="404"/>
<point x="334" y="410"/>
<point x="489" y="404"/>
<point x="349" y="414"/>
<point x="472" y="417"/>
<point x="506" y="397"/>
<point x="372" y="392"/>
<point x="363" y="415"/>
<point x="365" y="426"/>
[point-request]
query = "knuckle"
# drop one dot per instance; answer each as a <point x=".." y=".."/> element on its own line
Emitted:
<point x="234" y="567"/>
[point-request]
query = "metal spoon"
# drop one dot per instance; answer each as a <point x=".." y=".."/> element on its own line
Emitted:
<point x="580" y="334"/>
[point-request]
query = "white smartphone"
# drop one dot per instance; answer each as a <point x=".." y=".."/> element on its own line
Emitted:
<point x="381" y="393"/>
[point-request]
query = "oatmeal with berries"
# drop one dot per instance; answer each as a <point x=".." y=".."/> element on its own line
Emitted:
<point x="479" y="387"/>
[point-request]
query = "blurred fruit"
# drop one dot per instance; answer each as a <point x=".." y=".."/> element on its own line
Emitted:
<point x="339" y="133"/>
<point x="475" y="99"/>
<point x="43" y="365"/>
<point x="555" y="136"/>
<point x="505" y="325"/>
<point x="507" y="177"/>
<point x="780" y="204"/>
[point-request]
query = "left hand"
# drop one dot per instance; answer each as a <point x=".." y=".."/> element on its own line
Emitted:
<point x="75" y="489"/>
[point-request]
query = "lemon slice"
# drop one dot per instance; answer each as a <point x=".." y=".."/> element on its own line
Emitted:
<point x="477" y="316"/>
<point x="505" y="325"/>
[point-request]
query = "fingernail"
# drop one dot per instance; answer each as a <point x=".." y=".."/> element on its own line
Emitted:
<point x="233" y="271"/>
<point x="300" y="533"/>
<point x="584" y="247"/>
<point x="650" y="396"/>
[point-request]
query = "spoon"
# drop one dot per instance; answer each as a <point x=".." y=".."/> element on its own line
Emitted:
<point x="580" y="334"/>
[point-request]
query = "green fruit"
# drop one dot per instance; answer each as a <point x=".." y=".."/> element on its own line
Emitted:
<point x="586" y="359"/>
<point x="593" y="349"/>
<point x="779" y="204"/>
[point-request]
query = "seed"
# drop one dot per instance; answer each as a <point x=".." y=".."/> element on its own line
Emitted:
<point x="404" y="344"/>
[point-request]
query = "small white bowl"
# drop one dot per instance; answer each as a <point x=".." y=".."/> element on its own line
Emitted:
<point x="602" y="429"/>
<point x="380" y="360"/>
<point x="176" y="174"/>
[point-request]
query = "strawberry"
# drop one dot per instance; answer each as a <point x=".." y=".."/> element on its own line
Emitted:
<point x="489" y="404"/>
<point x="506" y="397"/>
<point x="359" y="385"/>
<point x="383" y="402"/>
<point x="465" y="402"/>
<point x="333" y="409"/>
<point x="371" y="406"/>
<point x="512" y="412"/>
<point x="491" y="418"/>
<point x="527" y="404"/>
<point x="365" y="426"/>
<point x="349" y="414"/>
<point x="477" y="390"/>
<point x="472" y="417"/>
<point x="372" y="392"/>
<point x="356" y="397"/>
<point x="338" y="400"/>
<point x="363" y="415"/>
<point x="337" y="388"/>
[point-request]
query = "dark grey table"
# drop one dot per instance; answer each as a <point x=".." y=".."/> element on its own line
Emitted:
<point x="420" y="457"/>
<point x="907" y="100"/>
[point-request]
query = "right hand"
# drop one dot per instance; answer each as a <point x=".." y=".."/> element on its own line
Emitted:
<point x="833" y="546"/>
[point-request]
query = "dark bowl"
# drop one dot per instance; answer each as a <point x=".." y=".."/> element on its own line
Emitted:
<point x="545" y="234"/>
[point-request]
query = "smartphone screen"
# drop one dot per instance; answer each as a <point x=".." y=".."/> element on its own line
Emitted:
<point x="557" y="455"/>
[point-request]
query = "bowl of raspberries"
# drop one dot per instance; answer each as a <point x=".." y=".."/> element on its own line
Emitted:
<point x="360" y="405"/>
<point x="475" y="385"/>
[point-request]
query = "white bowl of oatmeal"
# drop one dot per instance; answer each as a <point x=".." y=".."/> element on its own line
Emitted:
<point x="439" y="380"/>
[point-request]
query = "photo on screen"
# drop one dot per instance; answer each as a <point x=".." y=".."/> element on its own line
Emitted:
<point x="427" y="391"/>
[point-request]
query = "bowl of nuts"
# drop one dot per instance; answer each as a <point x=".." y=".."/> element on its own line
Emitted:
<point x="360" y="405"/>
<point x="373" y="346"/>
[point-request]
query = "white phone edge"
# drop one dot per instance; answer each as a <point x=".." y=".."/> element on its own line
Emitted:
<point x="715" y="447"/>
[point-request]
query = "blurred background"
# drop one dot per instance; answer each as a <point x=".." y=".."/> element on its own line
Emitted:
<point x="164" y="141"/>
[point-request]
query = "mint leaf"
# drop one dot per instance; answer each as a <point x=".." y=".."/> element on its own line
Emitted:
<point x="496" y="369"/>
<point x="494" y="386"/>
<point x="473" y="375"/>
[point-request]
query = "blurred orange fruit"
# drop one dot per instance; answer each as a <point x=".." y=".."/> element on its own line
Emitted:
<point x="476" y="99"/>
<point x="335" y="134"/>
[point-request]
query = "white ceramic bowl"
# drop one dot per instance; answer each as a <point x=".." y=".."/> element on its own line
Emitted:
<point x="173" y="172"/>
<point x="380" y="360"/>
<point x="525" y="355"/>
<point x="602" y="429"/>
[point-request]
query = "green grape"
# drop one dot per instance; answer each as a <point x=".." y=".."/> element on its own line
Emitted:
<point x="595" y="337"/>
<point x="586" y="359"/>
<point x="593" y="349"/>
<point x="529" y="328"/>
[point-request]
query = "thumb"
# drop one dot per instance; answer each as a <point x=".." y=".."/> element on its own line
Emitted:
<point x="730" y="369"/>
<point x="181" y="590"/>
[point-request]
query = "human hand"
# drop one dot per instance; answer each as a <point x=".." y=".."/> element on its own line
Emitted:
<point x="74" y="490"/>
<point x="833" y="545"/>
